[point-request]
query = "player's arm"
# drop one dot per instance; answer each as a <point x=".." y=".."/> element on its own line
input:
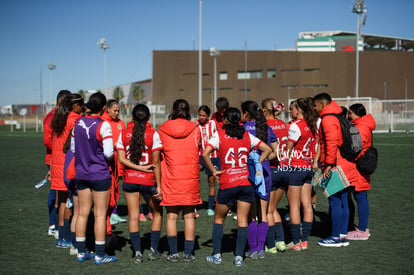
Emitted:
<point x="206" y="156"/>
<point x="266" y="151"/>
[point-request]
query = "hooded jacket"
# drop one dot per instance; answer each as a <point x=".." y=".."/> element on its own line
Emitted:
<point x="330" y="137"/>
<point x="180" y="167"/>
<point x="365" y="125"/>
<point x="58" y="157"/>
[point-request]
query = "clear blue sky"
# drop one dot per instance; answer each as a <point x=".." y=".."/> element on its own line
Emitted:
<point x="37" y="32"/>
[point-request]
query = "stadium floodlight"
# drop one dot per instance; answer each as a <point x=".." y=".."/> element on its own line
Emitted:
<point x="104" y="46"/>
<point x="214" y="53"/>
<point x="361" y="11"/>
<point x="51" y="66"/>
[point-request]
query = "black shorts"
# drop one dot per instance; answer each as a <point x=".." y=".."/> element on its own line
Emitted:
<point x="146" y="190"/>
<point x="96" y="185"/>
<point x="239" y="193"/>
<point x="215" y="161"/>
<point x="280" y="179"/>
<point x="300" y="176"/>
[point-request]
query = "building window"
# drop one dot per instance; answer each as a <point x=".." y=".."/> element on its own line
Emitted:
<point x="315" y="85"/>
<point x="290" y="70"/>
<point x="226" y="89"/>
<point x="271" y="73"/>
<point x="290" y="86"/>
<point x="245" y="90"/>
<point x="181" y="90"/>
<point x="223" y="76"/>
<point x="312" y="70"/>
<point x="249" y="74"/>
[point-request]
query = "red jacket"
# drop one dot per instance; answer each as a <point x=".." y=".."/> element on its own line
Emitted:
<point x="330" y="137"/>
<point x="58" y="157"/>
<point x="47" y="134"/>
<point x="365" y="125"/>
<point x="180" y="167"/>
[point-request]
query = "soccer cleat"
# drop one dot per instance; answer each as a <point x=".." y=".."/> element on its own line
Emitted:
<point x="174" y="258"/>
<point x="52" y="230"/>
<point x="62" y="243"/>
<point x="189" y="258"/>
<point x="358" y="235"/>
<point x="229" y="213"/>
<point x="138" y="257"/>
<point x="196" y="215"/>
<point x="118" y="218"/>
<point x="210" y="212"/>
<point x="254" y="255"/>
<point x="331" y="242"/>
<point x="238" y="261"/>
<point x="235" y="217"/>
<point x="215" y="259"/>
<point x="281" y="246"/>
<point x="304" y="245"/>
<point x="73" y="250"/>
<point x="113" y="221"/>
<point x="150" y="216"/>
<point x="105" y="259"/>
<point x="142" y="217"/>
<point x="154" y="255"/>
<point x="261" y="254"/>
<point x="81" y="257"/>
<point x="272" y="250"/>
<point x="292" y="246"/>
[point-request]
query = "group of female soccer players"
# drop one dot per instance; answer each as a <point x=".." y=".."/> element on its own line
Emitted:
<point x="163" y="167"/>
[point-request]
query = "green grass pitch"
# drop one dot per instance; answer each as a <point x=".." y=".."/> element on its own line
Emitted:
<point x="27" y="249"/>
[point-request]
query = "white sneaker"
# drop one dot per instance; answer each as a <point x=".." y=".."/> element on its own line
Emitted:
<point x="52" y="230"/>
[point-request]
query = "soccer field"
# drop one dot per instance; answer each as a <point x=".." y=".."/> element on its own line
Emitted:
<point x="26" y="248"/>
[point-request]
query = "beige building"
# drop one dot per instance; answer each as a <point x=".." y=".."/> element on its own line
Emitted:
<point x="280" y="74"/>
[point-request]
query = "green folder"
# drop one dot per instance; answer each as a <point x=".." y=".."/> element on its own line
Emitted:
<point x="335" y="183"/>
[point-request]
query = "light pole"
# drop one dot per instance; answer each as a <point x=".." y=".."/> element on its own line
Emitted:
<point x="360" y="9"/>
<point x="104" y="46"/>
<point x="200" y="57"/>
<point x="51" y="66"/>
<point x="214" y="53"/>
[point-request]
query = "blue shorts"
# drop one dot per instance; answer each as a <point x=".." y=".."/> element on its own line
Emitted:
<point x="146" y="190"/>
<point x="95" y="185"/>
<point x="280" y="179"/>
<point x="299" y="176"/>
<point x="239" y="193"/>
<point x="215" y="161"/>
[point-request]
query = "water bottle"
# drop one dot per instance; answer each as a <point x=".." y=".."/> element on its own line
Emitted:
<point x="41" y="183"/>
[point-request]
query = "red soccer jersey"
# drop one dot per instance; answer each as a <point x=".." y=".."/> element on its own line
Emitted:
<point x="280" y="129"/>
<point x="131" y="175"/>
<point x="207" y="131"/>
<point x="233" y="154"/>
<point x="302" y="137"/>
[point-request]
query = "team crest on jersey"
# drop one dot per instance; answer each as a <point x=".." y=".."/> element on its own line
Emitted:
<point x="119" y="127"/>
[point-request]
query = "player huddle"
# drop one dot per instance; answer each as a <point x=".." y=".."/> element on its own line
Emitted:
<point x="254" y="156"/>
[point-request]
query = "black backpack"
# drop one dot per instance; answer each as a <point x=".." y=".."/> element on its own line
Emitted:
<point x="367" y="163"/>
<point x="352" y="143"/>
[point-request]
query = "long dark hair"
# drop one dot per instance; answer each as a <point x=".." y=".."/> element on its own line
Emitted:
<point x="61" y="115"/>
<point x="252" y="108"/>
<point x="140" y="115"/>
<point x="233" y="129"/>
<point x="306" y="105"/>
<point x="181" y="109"/>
